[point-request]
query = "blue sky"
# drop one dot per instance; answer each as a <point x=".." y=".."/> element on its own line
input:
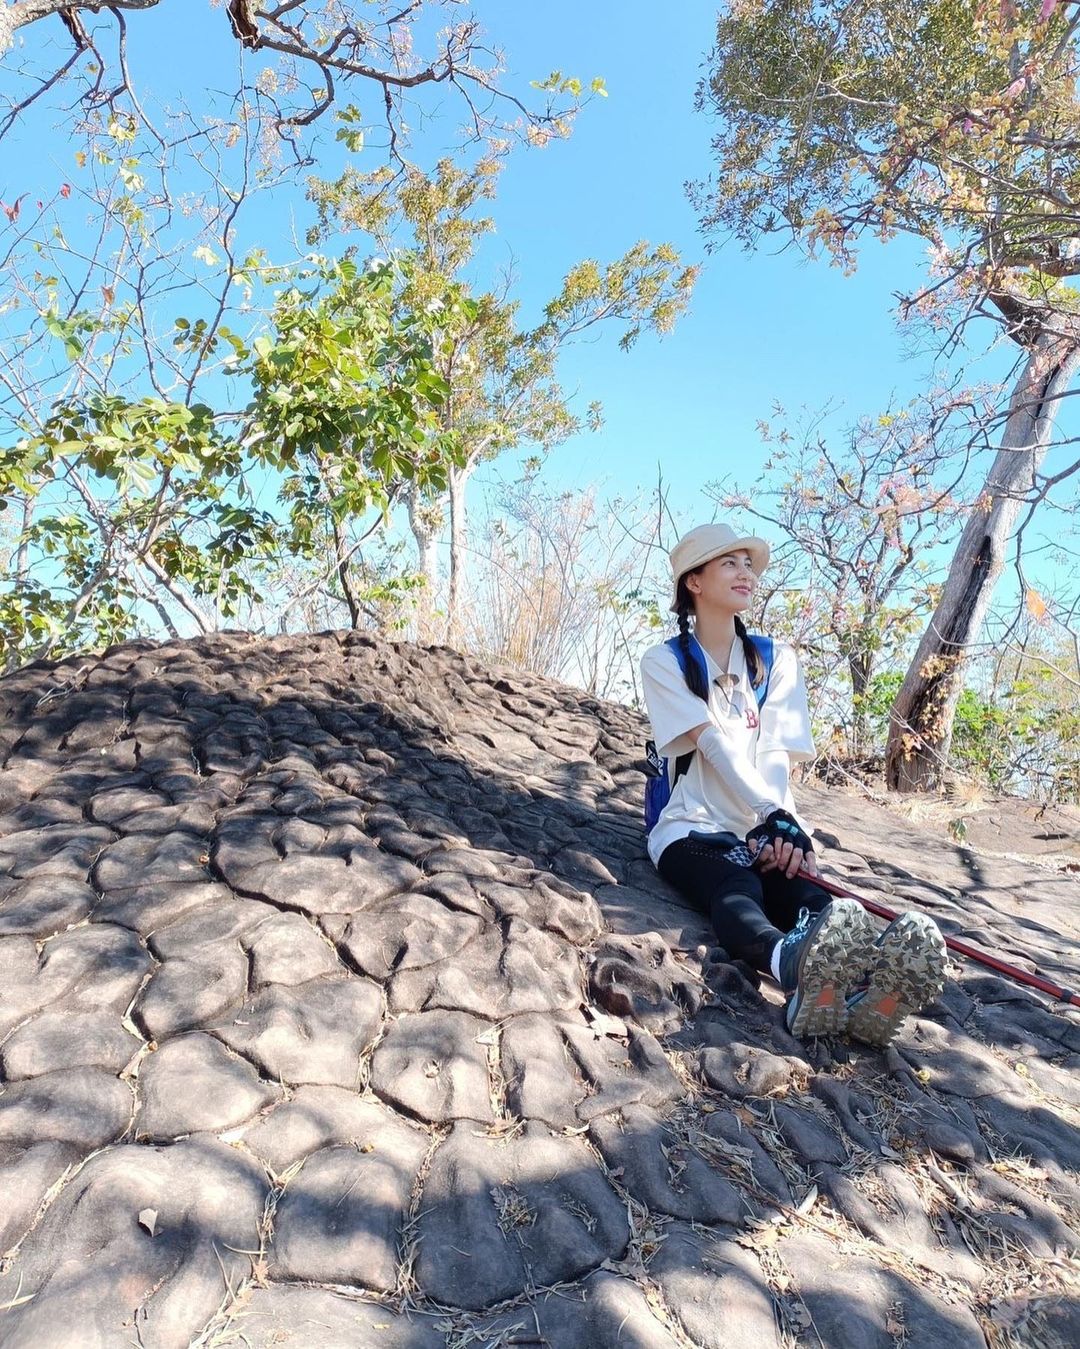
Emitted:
<point x="765" y="328"/>
<point x="768" y="327"/>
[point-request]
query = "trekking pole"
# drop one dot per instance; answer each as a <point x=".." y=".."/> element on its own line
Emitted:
<point x="954" y="944"/>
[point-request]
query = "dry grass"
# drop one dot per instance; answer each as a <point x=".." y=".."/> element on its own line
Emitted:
<point x="491" y="1039"/>
<point x="407" y="1290"/>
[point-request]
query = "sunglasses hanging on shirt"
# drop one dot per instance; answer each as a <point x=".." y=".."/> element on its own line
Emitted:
<point x="727" y="684"/>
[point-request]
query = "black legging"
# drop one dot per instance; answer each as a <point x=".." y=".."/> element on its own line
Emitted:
<point x="750" y="911"/>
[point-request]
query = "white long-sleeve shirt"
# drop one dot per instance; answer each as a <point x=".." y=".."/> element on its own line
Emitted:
<point x="758" y="747"/>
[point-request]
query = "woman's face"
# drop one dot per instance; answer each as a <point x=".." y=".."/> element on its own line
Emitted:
<point x="727" y="582"/>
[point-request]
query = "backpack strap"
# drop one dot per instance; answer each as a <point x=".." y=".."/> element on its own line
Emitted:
<point x="696" y="655"/>
<point x="766" y="649"/>
<point x="682" y="763"/>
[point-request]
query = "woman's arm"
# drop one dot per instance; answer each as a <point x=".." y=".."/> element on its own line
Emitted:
<point x="774" y="765"/>
<point x="762" y="792"/>
<point x="737" y="771"/>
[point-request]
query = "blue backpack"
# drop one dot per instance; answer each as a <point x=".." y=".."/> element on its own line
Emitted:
<point x="660" y="780"/>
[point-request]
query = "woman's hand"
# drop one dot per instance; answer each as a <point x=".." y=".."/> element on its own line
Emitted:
<point x="784" y="848"/>
<point x="766" y="858"/>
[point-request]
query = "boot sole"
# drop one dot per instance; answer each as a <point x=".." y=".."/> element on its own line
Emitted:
<point x="907" y="971"/>
<point x="842" y="949"/>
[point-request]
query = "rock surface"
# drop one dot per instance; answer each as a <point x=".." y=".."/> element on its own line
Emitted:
<point x="340" y="1005"/>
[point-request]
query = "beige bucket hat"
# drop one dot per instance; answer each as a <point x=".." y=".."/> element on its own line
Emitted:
<point x="704" y="543"/>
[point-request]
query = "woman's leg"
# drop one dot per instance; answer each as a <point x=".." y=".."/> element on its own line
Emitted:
<point x="783" y="899"/>
<point x="819" y="962"/>
<point x="730" y="894"/>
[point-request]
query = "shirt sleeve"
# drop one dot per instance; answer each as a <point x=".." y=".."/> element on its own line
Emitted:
<point x="775" y="768"/>
<point x="673" y="709"/>
<point x="785" y="716"/>
<point x="740" y="776"/>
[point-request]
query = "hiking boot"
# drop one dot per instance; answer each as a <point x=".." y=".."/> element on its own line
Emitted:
<point x="906" y="971"/>
<point x="821" y="959"/>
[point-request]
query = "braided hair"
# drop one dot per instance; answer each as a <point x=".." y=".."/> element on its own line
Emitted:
<point x="695" y="682"/>
<point x="754" y="664"/>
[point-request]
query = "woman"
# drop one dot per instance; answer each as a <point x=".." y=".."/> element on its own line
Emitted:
<point x="729" y="838"/>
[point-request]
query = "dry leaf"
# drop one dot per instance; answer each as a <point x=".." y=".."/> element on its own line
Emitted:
<point x="148" y="1219"/>
<point x="602" y="1024"/>
<point x="809" y="1202"/>
<point x="760" y="1240"/>
<point x="1036" y="605"/>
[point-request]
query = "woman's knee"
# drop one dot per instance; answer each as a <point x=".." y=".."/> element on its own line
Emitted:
<point x="738" y="889"/>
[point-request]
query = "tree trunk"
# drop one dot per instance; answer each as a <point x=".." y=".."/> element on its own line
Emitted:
<point x="921" y="720"/>
<point x="425" y="521"/>
<point x="459" y="477"/>
<point x="22" y="552"/>
<point x="345" y="577"/>
<point x="860" y="664"/>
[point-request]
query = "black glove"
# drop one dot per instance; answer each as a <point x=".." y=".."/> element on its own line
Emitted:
<point x="782" y="825"/>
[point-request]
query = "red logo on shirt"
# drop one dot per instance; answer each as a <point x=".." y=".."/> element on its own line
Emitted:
<point x="751" y="719"/>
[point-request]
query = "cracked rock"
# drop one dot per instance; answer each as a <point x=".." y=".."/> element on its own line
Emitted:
<point x="665" y="1171"/>
<point x="500" y="1216"/>
<point x="716" y="1289"/>
<point x="313" y="1033"/>
<point x="193" y="1084"/>
<point x="93" y="1263"/>
<point x="86" y="1107"/>
<point x="637" y="978"/>
<point x="434" y="1065"/>
<point x="297" y="1318"/>
<point x="340" y="1219"/>
<point x="314" y="1118"/>
<point x="67" y="1039"/>
<point x="505" y="970"/>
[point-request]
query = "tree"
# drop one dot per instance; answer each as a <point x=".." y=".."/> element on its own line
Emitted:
<point x="129" y="501"/>
<point x="565" y="586"/>
<point x="1017" y="720"/>
<point x="138" y="277"/>
<point x="502" y="376"/>
<point x="859" y="517"/>
<point x="296" y="53"/>
<point x="955" y="121"/>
